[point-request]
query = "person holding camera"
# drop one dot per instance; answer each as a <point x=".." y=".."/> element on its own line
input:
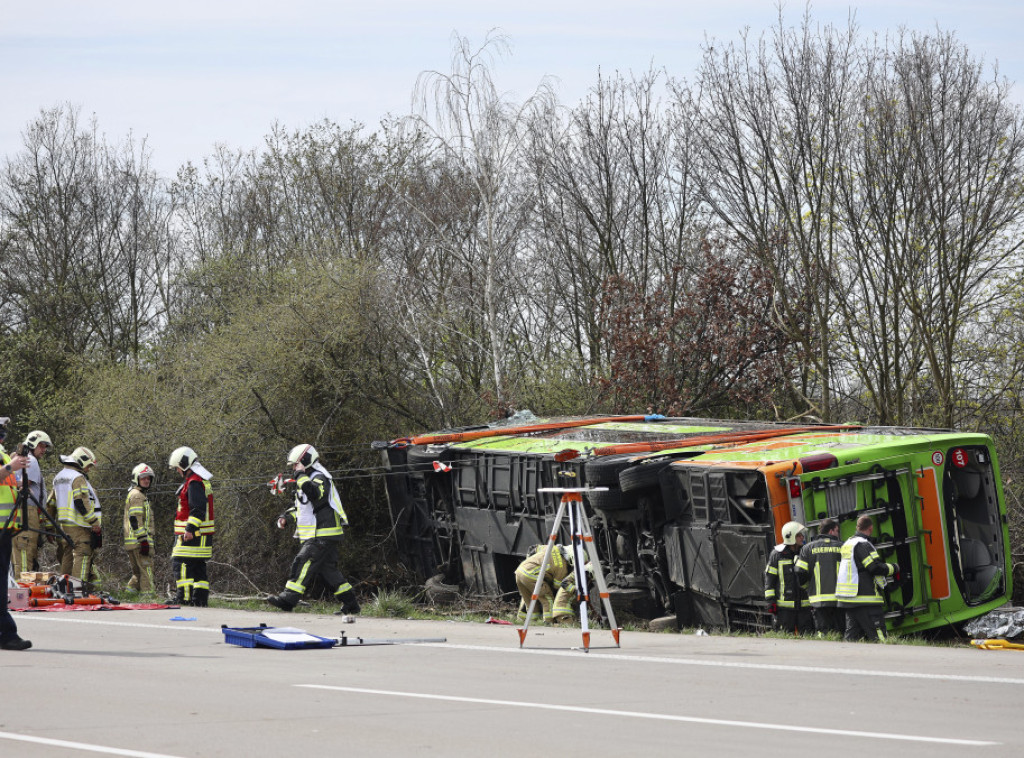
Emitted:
<point x="10" y="524"/>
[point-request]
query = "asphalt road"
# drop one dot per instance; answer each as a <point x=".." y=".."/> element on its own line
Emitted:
<point x="136" y="683"/>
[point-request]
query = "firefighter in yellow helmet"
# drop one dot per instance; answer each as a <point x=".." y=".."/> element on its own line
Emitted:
<point x="558" y="589"/>
<point x="26" y="544"/>
<point x="138" y="530"/>
<point x="193" y="529"/>
<point x="78" y="512"/>
<point x="320" y="522"/>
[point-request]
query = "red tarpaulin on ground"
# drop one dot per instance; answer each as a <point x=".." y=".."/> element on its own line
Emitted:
<point x="100" y="607"/>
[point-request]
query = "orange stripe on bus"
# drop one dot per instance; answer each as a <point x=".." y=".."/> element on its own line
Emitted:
<point x="934" y="539"/>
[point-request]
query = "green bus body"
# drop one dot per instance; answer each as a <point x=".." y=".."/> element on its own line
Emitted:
<point x="686" y="528"/>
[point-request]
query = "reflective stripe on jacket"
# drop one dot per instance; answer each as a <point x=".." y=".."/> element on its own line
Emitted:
<point x="194" y="515"/>
<point x="819" y="564"/>
<point x="780" y="583"/>
<point x="136" y="506"/>
<point x="313" y="512"/>
<point x="72" y="484"/>
<point x="8" y="498"/>
<point x="860" y="569"/>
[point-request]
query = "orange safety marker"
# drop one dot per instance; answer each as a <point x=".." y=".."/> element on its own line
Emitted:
<point x="582" y="540"/>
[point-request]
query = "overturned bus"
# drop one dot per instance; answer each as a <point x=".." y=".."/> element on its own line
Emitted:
<point x="685" y="511"/>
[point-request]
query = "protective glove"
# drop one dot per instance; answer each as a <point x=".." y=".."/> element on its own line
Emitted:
<point x="143" y="547"/>
<point x="567" y="584"/>
<point x="773" y="608"/>
<point x="896" y="575"/>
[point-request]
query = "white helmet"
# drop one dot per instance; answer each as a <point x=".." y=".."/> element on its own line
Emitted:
<point x="36" y="438"/>
<point x="82" y="457"/>
<point x="304" y="454"/>
<point x="182" y="458"/>
<point x="790" y="530"/>
<point x="140" y="471"/>
<point x="567" y="553"/>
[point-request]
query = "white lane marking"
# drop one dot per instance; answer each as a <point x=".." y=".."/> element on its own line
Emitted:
<point x="660" y="716"/>
<point x="82" y="746"/>
<point x="595" y="654"/>
<point x="53" y="617"/>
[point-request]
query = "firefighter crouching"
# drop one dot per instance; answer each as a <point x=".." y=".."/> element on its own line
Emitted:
<point x="862" y="575"/>
<point x="138" y="530"/>
<point x="557" y="591"/>
<point x="193" y="529"/>
<point x="78" y="513"/>
<point x="782" y="588"/>
<point x="320" y="522"/>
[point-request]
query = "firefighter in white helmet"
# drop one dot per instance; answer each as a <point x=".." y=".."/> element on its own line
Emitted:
<point x="787" y="599"/>
<point x="78" y="512"/>
<point x="26" y="545"/>
<point x="320" y="522"/>
<point x="138" y="530"/>
<point x="193" y="529"/>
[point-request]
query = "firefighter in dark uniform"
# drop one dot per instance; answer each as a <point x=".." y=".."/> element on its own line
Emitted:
<point x="782" y="588"/>
<point x="817" y="569"/>
<point x="193" y="529"/>
<point x="862" y="574"/>
<point x="319" y="524"/>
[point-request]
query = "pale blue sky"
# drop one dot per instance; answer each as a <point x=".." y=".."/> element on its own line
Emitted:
<point x="187" y="75"/>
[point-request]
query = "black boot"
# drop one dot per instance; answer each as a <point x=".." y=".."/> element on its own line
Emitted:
<point x="349" y="604"/>
<point x="279" y="602"/>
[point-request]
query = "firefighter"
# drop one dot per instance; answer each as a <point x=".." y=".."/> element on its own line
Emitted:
<point x="26" y="544"/>
<point x="862" y="574"/>
<point x="193" y="529"/>
<point x="78" y="512"/>
<point x="320" y="523"/>
<point x="138" y="530"/>
<point x="557" y="591"/>
<point x="782" y="589"/>
<point x="817" y="568"/>
<point x="9" y="525"/>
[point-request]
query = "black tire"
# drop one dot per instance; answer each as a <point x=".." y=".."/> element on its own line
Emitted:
<point x="642" y="476"/>
<point x="604" y="471"/>
<point x="610" y="500"/>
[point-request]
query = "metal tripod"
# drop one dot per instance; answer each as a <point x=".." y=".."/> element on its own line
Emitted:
<point x="582" y="538"/>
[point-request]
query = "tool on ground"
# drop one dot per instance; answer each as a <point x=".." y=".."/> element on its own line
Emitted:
<point x="345" y="641"/>
<point x="582" y="540"/>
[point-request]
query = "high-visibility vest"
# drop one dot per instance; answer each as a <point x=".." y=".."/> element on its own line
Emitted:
<point x="308" y="524"/>
<point x="200" y="546"/>
<point x="8" y="498"/>
<point x="71" y="484"/>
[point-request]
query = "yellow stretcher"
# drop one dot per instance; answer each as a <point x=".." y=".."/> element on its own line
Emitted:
<point x="997" y="645"/>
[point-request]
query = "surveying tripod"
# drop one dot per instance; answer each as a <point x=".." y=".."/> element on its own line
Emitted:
<point x="582" y="537"/>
